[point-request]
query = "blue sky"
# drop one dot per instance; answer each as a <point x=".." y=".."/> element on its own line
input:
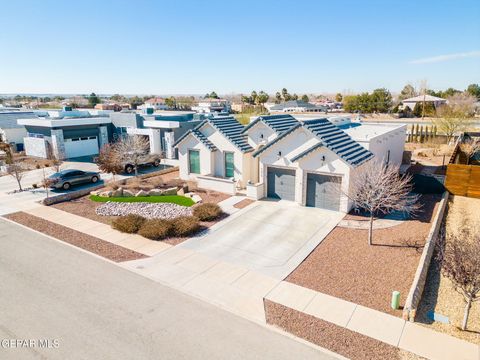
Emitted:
<point x="191" y="47"/>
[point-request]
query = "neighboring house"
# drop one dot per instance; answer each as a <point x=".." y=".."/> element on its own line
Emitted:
<point x="112" y="106"/>
<point x="156" y="103"/>
<point x="10" y="131"/>
<point x="216" y="152"/>
<point x="296" y="106"/>
<point x="411" y="102"/>
<point x="310" y="162"/>
<point x="213" y="106"/>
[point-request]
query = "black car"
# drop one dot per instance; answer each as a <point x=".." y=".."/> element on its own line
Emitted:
<point x="67" y="178"/>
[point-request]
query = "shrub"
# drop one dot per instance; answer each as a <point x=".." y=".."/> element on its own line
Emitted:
<point x="207" y="211"/>
<point x="35" y="186"/>
<point x="156" y="229"/>
<point x="185" y="225"/>
<point x="128" y="224"/>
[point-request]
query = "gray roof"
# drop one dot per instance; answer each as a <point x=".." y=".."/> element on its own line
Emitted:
<point x="8" y="119"/>
<point x="332" y="138"/>
<point x="199" y="136"/>
<point x="294" y="104"/>
<point x="232" y="130"/>
<point x="279" y="123"/>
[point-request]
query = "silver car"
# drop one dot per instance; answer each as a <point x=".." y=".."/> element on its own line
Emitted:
<point x="65" y="179"/>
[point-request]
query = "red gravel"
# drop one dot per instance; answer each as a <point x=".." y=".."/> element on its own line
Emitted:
<point x="345" y="266"/>
<point x="345" y="342"/>
<point x="84" y="207"/>
<point x="100" y="247"/>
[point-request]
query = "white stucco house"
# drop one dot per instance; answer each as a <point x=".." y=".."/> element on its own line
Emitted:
<point x="308" y="161"/>
<point x="411" y="102"/>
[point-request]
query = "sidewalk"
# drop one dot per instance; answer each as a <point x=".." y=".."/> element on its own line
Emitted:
<point x="372" y="323"/>
<point x="99" y="230"/>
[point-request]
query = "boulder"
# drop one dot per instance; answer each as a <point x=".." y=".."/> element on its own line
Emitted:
<point x="127" y="193"/>
<point x="170" y="191"/>
<point x="118" y="192"/>
<point x="141" y="193"/>
<point x="196" y="198"/>
<point x="155" y="192"/>
<point x="181" y="191"/>
<point x="189" y="194"/>
<point x="95" y="192"/>
<point x="106" y="193"/>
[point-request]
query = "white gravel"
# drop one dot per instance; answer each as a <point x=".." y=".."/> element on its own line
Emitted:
<point x="147" y="210"/>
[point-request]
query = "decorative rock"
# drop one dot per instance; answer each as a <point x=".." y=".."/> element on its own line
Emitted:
<point x="118" y="192"/>
<point x="154" y="192"/>
<point x="95" y="192"/>
<point x="189" y="194"/>
<point x="127" y="193"/>
<point x="181" y="192"/>
<point x="147" y="210"/>
<point x="141" y="193"/>
<point x="106" y="194"/>
<point x="196" y="198"/>
<point x="170" y="191"/>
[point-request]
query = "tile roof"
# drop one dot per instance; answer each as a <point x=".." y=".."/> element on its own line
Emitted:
<point x="338" y="141"/>
<point x="232" y="130"/>
<point x="293" y="104"/>
<point x="199" y="136"/>
<point x="332" y="138"/>
<point x="278" y="123"/>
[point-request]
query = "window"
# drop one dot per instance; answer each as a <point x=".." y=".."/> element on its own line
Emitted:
<point x="194" y="161"/>
<point x="229" y="173"/>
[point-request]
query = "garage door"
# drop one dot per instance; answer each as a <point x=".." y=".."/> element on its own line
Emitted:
<point x="281" y="183"/>
<point x="323" y="191"/>
<point x="83" y="146"/>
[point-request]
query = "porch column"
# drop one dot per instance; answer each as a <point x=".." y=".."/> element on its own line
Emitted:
<point x="58" y="144"/>
<point x="102" y="136"/>
<point x="169" y="141"/>
<point x="154" y="138"/>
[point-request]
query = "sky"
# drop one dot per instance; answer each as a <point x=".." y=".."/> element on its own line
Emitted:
<point x="194" y="47"/>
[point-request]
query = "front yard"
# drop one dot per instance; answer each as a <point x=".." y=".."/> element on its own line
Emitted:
<point x="345" y="266"/>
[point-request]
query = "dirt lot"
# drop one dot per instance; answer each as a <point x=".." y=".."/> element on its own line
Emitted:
<point x="345" y="266"/>
<point x="439" y="294"/>
<point x="429" y="153"/>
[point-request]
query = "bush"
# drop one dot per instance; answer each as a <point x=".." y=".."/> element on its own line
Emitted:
<point x="128" y="224"/>
<point x="207" y="211"/>
<point x="156" y="229"/>
<point x="185" y="225"/>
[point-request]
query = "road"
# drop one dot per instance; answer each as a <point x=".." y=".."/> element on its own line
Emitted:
<point x="94" y="309"/>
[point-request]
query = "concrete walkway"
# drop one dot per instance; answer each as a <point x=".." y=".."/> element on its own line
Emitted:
<point x="227" y="205"/>
<point x="99" y="230"/>
<point x="375" y="324"/>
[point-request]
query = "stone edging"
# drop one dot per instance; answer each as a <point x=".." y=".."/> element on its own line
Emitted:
<point x="416" y="290"/>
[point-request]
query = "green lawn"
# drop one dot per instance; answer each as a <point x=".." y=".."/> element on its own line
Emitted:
<point x="175" y="199"/>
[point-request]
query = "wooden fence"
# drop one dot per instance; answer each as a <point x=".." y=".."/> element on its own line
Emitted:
<point x="463" y="180"/>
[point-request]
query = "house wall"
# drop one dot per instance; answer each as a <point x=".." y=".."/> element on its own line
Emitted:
<point x="37" y="147"/>
<point x="13" y="135"/>
<point x="256" y="131"/>
<point x="393" y="141"/>
<point x="206" y="158"/>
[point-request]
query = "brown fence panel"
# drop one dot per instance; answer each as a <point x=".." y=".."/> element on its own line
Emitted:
<point x="463" y="180"/>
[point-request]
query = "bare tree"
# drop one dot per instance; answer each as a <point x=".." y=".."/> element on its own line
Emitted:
<point x="459" y="258"/>
<point x="379" y="189"/>
<point x="131" y="150"/>
<point x="470" y="147"/>
<point x="109" y="161"/>
<point x="56" y="164"/>
<point x="17" y="171"/>
<point x="456" y="115"/>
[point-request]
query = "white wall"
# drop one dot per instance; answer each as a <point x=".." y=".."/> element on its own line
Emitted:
<point x="393" y="141"/>
<point x="15" y="135"/>
<point x="258" y="129"/>
<point x="36" y="147"/>
<point x="206" y="166"/>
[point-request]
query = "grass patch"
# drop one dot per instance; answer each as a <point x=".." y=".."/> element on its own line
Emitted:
<point x="175" y="199"/>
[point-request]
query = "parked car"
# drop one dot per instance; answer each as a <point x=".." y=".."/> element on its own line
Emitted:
<point x="65" y="179"/>
<point x="146" y="160"/>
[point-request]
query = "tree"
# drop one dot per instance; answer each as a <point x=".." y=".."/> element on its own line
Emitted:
<point x="135" y="101"/>
<point x="379" y="189"/>
<point x="474" y="90"/>
<point x="171" y="102"/>
<point x="338" y="97"/>
<point x="285" y="95"/>
<point x="350" y="103"/>
<point x="93" y="100"/>
<point x="470" y="147"/>
<point x="294" y="97"/>
<point x="262" y="98"/>
<point x="456" y="115"/>
<point x="305" y="98"/>
<point x="17" y="171"/>
<point x="109" y="161"/>
<point x="212" y="95"/>
<point x="459" y="259"/>
<point x="381" y="100"/>
<point x="278" y="98"/>
<point x="407" y="92"/>
<point x="428" y="110"/>
<point x="253" y="97"/>
<point x="132" y="149"/>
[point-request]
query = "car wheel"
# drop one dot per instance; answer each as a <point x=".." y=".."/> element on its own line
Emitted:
<point x="129" y="169"/>
<point x="156" y="163"/>
<point x="66" y="186"/>
<point x="94" y="179"/>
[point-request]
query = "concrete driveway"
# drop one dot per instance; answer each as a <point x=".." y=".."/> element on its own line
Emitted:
<point x="270" y="237"/>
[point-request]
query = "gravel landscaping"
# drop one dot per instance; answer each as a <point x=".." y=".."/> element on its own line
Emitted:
<point x="345" y="266"/>
<point x="79" y="239"/>
<point x="345" y="342"/>
<point x="147" y="210"/>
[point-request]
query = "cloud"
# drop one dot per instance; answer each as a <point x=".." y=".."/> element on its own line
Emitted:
<point x="442" y="58"/>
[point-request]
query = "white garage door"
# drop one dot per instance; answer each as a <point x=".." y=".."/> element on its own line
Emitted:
<point x="84" y="146"/>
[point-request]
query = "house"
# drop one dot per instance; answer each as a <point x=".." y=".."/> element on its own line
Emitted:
<point x="156" y="103"/>
<point x="308" y="161"/>
<point x="216" y="154"/>
<point x="213" y="106"/>
<point x="10" y="131"/>
<point x="411" y="102"/>
<point x="296" y="106"/>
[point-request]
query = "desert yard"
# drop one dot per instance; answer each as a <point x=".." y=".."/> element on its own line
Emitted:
<point x="439" y="295"/>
